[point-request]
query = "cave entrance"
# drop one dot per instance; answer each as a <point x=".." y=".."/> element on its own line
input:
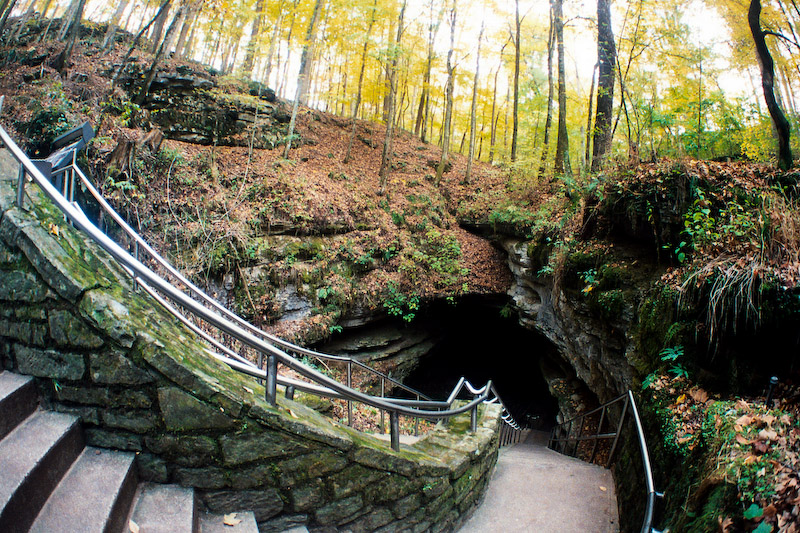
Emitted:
<point x="480" y="343"/>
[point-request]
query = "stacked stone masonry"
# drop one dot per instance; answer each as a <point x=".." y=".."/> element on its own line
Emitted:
<point x="142" y="382"/>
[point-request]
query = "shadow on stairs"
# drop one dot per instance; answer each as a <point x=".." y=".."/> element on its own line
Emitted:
<point x="51" y="482"/>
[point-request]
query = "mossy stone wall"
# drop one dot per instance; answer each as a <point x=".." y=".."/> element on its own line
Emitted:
<point x="140" y="381"/>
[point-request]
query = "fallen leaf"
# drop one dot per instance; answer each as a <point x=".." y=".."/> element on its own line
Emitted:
<point x="744" y="420"/>
<point x="751" y="459"/>
<point x="54" y="229"/>
<point x="725" y="524"/>
<point x="230" y="519"/>
<point x="699" y="395"/>
<point x="761" y="446"/>
<point x="133" y="526"/>
<point x="768" y="434"/>
<point x="741" y="404"/>
<point x="603" y="488"/>
<point x="742" y="440"/>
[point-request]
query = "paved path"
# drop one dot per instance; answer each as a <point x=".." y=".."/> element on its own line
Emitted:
<point x="536" y="490"/>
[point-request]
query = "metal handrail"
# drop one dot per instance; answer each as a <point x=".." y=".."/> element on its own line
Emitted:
<point x="199" y="293"/>
<point x="324" y="384"/>
<point x="628" y="399"/>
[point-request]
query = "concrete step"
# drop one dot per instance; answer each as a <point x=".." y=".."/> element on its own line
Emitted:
<point x="33" y="459"/>
<point x="164" y="509"/>
<point x="93" y="497"/>
<point x="18" y="399"/>
<point x="215" y="523"/>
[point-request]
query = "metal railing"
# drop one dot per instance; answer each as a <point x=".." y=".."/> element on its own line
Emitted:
<point x="270" y="349"/>
<point x="571" y="433"/>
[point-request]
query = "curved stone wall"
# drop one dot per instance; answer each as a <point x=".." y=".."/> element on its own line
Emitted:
<point x="142" y="382"/>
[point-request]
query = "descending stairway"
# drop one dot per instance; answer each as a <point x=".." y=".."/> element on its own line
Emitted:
<point x="536" y="489"/>
<point x="50" y="481"/>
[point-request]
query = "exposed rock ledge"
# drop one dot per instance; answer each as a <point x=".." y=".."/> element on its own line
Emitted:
<point x="596" y="352"/>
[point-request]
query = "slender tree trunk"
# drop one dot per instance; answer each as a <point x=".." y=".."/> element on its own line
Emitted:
<point x="113" y="24"/>
<point x="302" y="75"/>
<point x="247" y="66"/>
<point x="562" y="143"/>
<point x="587" y="158"/>
<point x="272" y="42"/>
<point x="162" y="49"/>
<point x="62" y="61"/>
<point x="357" y="103"/>
<point x="187" y="28"/>
<point x="285" y="76"/>
<point x="474" y="108"/>
<point x="767" y="84"/>
<point x="548" y="123"/>
<point x="424" y="99"/>
<point x="449" y="89"/>
<point x="158" y="29"/>
<point x="386" y="155"/>
<point x="307" y="59"/>
<point x="495" y="119"/>
<point x="517" y="45"/>
<point x="606" y="60"/>
<point x="135" y="42"/>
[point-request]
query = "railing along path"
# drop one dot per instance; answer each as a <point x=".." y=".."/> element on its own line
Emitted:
<point x="209" y="319"/>
<point x="571" y="433"/>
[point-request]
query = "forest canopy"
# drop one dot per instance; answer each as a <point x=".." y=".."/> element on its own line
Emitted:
<point x="541" y="84"/>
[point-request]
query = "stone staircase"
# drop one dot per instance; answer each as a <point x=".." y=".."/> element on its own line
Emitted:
<point x="50" y="481"/>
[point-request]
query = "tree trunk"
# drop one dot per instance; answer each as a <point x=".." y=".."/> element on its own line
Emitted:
<point x="162" y="49"/>
<point x="272" y="42"/>
<point x="448" y="92"/>
<point x="187" y="28"/>
<point x="135" y="43"/>
<point x="548" y="123"/>
<point x="587" y="157"/>
<point x="357" y="103"/>
<point x="158" y="29"/>
<point x="386" y="155"/>
<point x="562" y="142"/>
<point x="606" y="60"/>
<point x="424" y="98"/>
<point x="767" y="83"/>
<point x="515" y="115"/>
<point x="493" y="126"/>
<point x="474" y="108"/>
<point x="247" y="66"/>
<point x="307" y="56"/>
<point x="62" y="60"/>
<point x="113" y="25"/>
<point x="302" y="75"/>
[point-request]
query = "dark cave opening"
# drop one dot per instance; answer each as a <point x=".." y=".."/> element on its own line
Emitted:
<point x="480" y="343"/>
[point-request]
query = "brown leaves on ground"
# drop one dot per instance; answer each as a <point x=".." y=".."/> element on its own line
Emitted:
<point x="759" y="448"/>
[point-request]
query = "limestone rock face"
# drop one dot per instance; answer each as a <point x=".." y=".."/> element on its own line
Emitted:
<point x="187" y="106"/>
<point x="595" y="349"/>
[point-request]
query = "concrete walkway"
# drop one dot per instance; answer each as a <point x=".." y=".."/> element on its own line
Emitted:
<point x="536" y="490"/>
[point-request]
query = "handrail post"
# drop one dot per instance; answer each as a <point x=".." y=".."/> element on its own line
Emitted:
<point x="619" y="430"/>
<point x="383" y="413"/>
<point x="416" y="423"/>
<point x="596" y="433"/>
<point x="290" y="392"/>
<point x="581" y="423"/>
<point x="271" y="387"/>
<point x="349" y="385"/>
<point x="473" y="417"/>
<point x="394" y="423"/>
<point x="21" y="187"/>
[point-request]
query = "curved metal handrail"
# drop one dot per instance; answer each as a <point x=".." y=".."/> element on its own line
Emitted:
<point x="629" y="402"/>
<point x="140" y="243"/>
<point x="244" y="334"/>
